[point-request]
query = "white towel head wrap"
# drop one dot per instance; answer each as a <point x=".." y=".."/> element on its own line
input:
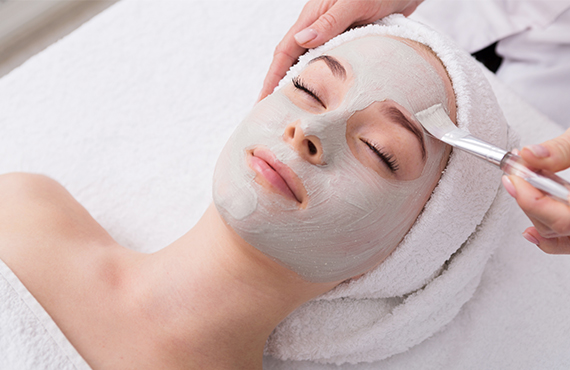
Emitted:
<point x="422" y="285"/>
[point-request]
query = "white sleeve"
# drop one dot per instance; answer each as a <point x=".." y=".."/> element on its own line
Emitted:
<point x="534" y="13"/>
<point x="477" y="24"/>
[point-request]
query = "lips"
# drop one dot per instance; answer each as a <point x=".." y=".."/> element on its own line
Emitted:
<point x="278" y="176"/>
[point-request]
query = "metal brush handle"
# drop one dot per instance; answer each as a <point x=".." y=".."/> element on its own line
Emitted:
<point x="544" y="180"/>
<point x="511" y="164"/>
<point x="479" y="148"/>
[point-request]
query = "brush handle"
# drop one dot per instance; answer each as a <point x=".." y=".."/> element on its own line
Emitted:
<point x="544" y="180"/>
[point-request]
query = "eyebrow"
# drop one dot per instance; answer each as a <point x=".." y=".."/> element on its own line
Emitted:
<point x="397" y="116"/>
<point x="334" y="65"/>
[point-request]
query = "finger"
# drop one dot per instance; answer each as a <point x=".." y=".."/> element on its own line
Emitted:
<point x="559" y="245"/>
<point x="543" y="230"/>
<point x="338" y="18"/>
<point x="553" y="214"/>
<point x="553" y="155"/>
<point x="319" y="22"/>
<point x="411" y="8"/>
<point x="282" y="61"/>
<point x="288" y="51"/>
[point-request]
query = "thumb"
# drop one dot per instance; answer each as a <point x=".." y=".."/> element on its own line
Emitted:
<point x="330" y="24"/>
<point x="553" y="155"/>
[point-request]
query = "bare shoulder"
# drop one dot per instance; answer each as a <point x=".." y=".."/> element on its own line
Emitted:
<point x="67" y="261"/>
<point x="40" y="219"/>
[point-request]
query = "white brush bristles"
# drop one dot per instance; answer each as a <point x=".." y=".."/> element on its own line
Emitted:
<point x="435" y="121"/>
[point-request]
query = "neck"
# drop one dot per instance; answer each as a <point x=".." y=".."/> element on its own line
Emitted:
<point x="217" y="298"/>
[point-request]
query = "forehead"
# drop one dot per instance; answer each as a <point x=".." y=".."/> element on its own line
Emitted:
<point x="374" y="46"/>
<point x="387" y="68"/>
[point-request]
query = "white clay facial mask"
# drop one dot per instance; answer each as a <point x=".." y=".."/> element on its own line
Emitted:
<point x="355" y="205"/>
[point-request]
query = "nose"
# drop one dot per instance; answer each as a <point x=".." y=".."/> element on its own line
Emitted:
<point x="308" y="147"/>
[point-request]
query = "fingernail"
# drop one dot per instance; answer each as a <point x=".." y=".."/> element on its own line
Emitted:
<point x="305" y="36"/>
<point x="539" y="151"/>
<point x="509" y="186"/>
<point x="515" y="151"/>
<point x="530" y="238"/>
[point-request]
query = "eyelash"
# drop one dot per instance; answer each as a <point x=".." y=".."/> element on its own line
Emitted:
<point x="387" y="158"/>
<point x="299" y="85"/>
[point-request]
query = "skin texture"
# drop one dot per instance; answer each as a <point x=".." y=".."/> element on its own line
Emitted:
<point x="207" y="301"/>
<point x="321" y="20"/>
<point x="551" y="219"/>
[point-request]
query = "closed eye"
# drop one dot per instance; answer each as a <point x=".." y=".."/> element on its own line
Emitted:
<point x="387" y="158"/>
<point x="299" y="85"/>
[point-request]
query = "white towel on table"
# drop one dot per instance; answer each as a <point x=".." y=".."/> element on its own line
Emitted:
<point x="29" y="338"/>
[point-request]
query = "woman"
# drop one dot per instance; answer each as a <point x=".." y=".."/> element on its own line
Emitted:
<point x="319" y="184"/>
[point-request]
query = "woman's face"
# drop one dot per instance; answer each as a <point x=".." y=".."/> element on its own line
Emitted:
<point x="328" y="174"/>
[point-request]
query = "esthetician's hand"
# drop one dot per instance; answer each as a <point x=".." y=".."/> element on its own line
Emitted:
<point x="320" y="21"/>
<point x="551" y="219"/>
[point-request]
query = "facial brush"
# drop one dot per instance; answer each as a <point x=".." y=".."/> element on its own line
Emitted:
<point x="436" y="122"/>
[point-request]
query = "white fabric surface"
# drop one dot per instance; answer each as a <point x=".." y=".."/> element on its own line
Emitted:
<point x="130" y="111"/>
<point x="29" y="338"/>
<point x="533" y="40"/>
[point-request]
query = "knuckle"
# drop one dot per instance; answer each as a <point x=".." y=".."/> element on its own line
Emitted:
<point x="325" y="5"/>
<point x="328" y="21"/>
<point x="561" y="146"/>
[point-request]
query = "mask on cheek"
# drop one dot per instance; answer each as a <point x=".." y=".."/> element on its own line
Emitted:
<point x="353" y="217"/>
